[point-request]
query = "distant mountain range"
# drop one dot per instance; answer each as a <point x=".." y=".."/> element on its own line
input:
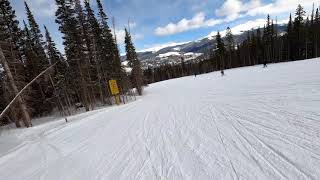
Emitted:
<point x="197" y="47"/>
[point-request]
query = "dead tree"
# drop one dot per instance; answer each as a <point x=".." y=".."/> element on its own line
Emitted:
<point x="21" y="103"/>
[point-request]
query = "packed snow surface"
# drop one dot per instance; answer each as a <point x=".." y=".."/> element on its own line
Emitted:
<point x="252" y="123"/>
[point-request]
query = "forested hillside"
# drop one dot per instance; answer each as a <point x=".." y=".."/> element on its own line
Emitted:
<point x="80" y="76"/>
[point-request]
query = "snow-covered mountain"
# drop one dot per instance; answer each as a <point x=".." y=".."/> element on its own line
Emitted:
<point x="173" y="53"/>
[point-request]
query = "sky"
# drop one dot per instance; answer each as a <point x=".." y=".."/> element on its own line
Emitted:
<point x="159" y="23"/>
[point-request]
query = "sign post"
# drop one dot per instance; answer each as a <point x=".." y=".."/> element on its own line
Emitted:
<point x="115" y="90"/>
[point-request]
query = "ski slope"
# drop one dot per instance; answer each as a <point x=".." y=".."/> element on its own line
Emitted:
<point x="253" y="123"/>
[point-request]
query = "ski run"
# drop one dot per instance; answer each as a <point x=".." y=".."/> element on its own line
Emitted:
<point x="252" y="123"/>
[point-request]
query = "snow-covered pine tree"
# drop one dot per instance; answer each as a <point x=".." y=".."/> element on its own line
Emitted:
<point x="134" y="63"/>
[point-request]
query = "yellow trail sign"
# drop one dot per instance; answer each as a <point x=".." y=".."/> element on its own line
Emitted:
<point x="115" y="90"/>
<point x="114" y="87"/>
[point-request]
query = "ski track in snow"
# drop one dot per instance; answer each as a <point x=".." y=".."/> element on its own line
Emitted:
<point x="253" y="123"/>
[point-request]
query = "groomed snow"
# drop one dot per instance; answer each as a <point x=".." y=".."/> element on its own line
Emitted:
<point x="253" y="123"/>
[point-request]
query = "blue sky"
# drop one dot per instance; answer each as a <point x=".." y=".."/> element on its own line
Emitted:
<point x="155" y="23"/>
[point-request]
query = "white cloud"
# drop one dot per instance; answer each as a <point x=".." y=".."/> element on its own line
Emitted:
<point x="47" y="8"/>
<point x="120" y="33"/>
<point x="238" y="29"/>
<point x="42" y="8"/>
<point x="199" y="20"/>
<point x="280" y="6"/>
<point x="232" y="9"/>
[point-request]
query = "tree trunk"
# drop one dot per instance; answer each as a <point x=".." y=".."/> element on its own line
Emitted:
<point x="84" y="90"/>
<point x="67" y="101"/>
<point x="21" y="104"/>
<point x="58" y="99"/>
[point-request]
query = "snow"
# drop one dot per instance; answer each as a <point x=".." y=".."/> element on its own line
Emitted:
<point x="192" y="54"/>
<point x="177" y="48"/>
<point x="189" y="54"/>
<point x="169" y="54"/>
<point x="244" y="27"/>
<point x="157" y="47"/>
<point x="125" y="63"/>
<point x="252" y="123"/>
<point x="126" y="67"/>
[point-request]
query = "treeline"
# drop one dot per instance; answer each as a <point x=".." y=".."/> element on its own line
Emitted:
<point x="263" y="45"/>
<point x="80" y="77"/>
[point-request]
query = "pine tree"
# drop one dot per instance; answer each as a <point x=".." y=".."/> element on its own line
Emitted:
<point x="37" y="38"/>
<point x="72" y="30"/>
<point x="12" y="63"/>
<point x="134" y="63"/>
<point x="59" y="78"/>
<point x="87" y="53"/>
<point x="32" y="61"/>
<point x="311" y="34"/>
<point x="221" y="51"/>
<point x="307" y="39"/>
<point x="37" y="62"/>
<point x="267" y="38"/>
<point x="111" y="48"/>
<point x="316" y="32"/>
<point x="61" y="69"/>
<point x="53" y="54"/>
<point x="10" y="25"/>
<point x="298" y="31"/>
<point x="3" y="100"/>
<point x="290" y="37"/>
<point x="230" y="45"/>
<point x="259" y="47"/>
<point x="253" y="47"/>
<point x="100" y="56"/>
<point x="312" y="16"/>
